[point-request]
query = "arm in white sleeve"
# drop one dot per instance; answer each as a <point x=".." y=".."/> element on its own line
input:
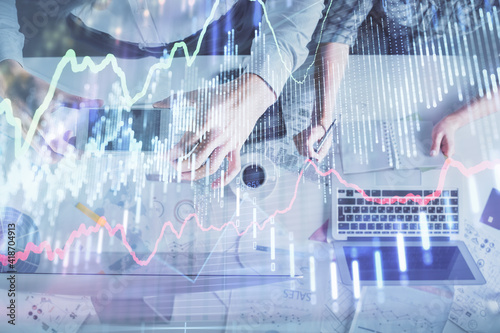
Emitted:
<point x="11" y="40"/>
<point x="287" y="29"/>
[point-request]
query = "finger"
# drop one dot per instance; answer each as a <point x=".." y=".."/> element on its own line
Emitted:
<point x="76" y="102"/>
<point x="205" y="149"/>
<point x="183" y="147"/>
<point x="304" y="141"/>
<point x="177" y="99"/>
<point x="437" y="137"/>
<point x="315" y="136"/>
<point x="60" y="146"/>
<point x="71" y="139"/>
<point x="36" y="141"/>
<point x="233" y="169"/>
<point x="214" y="162"/>
<point x="324" y="150"/>
<point x="451" y="146"/>
<point x="165" y="103"/>
<point x="448" y="146"/>
<point x="55" y="134"/>
<point x="43" y="149"/>
<point x="310" y="148"/>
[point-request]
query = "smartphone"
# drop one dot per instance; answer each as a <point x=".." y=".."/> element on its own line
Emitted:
<point x="137" y="129"/>
<point x="142" y="128"/>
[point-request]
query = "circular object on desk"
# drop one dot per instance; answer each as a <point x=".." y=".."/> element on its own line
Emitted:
<point x="158" y="208"/>
<point x="25" y="231"/>
<point x="183" y="209"/>
<point x="257" y="178"/>
<point x="253" y="176"/>
<point x="472" y="324"/>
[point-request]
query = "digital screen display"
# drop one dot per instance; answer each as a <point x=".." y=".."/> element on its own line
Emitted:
<point x="437" y="263"/>
<point x="124" y="130"/>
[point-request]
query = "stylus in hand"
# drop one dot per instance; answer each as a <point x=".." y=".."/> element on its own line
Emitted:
<point x="189" y="153"/>
<point x="321" y="142"/>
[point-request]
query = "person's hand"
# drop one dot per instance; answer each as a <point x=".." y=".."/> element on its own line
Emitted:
<point x="26" y="93"/>
<point x="220" y="127"/>
<point x="443" y="136"/>
<point x="329" y="67"/>
<point x="305" y="140"/>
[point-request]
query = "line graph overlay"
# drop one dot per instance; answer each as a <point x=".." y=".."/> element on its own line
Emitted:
<point x="110" y="60"/>
<point x="83" y="230"/>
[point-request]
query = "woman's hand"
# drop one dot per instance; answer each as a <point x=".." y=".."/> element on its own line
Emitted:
<point x="26" y="93"/>
<point x="443" y="136"/>
<point x="220" y="126"/>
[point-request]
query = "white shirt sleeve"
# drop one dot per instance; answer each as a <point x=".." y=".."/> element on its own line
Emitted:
<point x="285" y="50"/>
<point x="11" y="39"/>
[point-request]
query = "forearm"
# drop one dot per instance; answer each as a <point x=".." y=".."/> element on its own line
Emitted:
<point x="255" y="93"/>
<point x="287" y="31"/>
<point x="479" y="108"/>
<point x="330" y="66"/>
<point x="9" y="70"/>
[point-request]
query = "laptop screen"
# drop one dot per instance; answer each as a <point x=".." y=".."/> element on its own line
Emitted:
<point x="436" y="263"/>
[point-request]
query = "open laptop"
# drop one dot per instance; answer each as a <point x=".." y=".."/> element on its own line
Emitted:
<point x="373" y="251"/>
<point x="404" y="242"/>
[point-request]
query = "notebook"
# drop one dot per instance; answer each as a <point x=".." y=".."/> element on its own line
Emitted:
<point x="375" y="145"/>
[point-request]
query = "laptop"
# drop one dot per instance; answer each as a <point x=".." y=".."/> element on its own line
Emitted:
<point x="381" y="238"/>
<point x="388" y="248"/>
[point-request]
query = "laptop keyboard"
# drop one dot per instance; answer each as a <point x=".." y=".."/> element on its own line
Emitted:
<point x="357" y="216"/>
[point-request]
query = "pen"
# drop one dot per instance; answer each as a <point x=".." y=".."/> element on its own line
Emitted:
<point x="322" y="141"/>
<point x="190" y="152"/>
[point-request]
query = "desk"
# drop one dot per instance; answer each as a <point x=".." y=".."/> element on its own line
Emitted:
<point x="216" y="279"/>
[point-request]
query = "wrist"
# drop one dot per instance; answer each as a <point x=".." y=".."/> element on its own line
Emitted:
<point x="10" y="67"/>
<point x="9" y="70"/>
<point x="459" y="118"/>
<point x="258" y="93"/>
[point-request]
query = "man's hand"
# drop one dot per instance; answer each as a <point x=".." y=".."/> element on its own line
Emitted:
<point x="225" y="117"/>
<point x="305" y="140"/>
<point x="26" y="93"/>
<point x="330" y="65"/>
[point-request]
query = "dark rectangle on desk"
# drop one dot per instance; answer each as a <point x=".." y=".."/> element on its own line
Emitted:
<point x="491" y="212"/>
<point x="437" y="263"/>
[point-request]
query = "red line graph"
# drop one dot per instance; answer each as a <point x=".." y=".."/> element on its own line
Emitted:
<point x="84" y="230"/>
